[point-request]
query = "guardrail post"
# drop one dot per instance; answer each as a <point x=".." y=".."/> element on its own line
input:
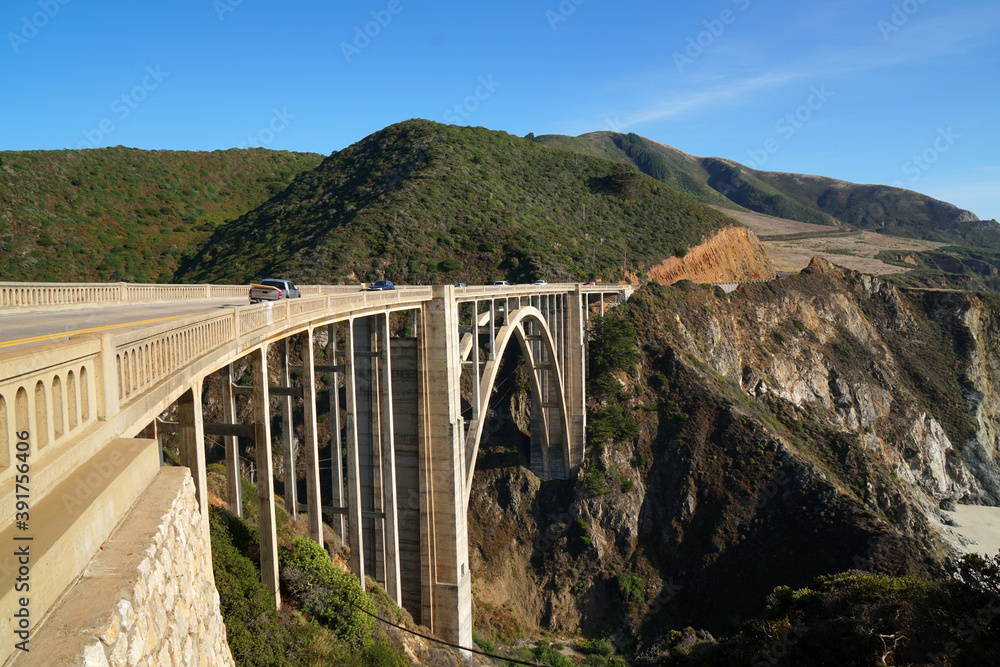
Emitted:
<point x="107" y="381"/>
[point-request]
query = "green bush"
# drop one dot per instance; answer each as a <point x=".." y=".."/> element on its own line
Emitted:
<point x="631" y="586"/>
<point x="595" y="482"/>
<point x="613" y="348"/>
<point x="322" y="590"/>
<point x="611" y="423"/>
<point x="548" y="655"/>
<point x="253" y="628"/>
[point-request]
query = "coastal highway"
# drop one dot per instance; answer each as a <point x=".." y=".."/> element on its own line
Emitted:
<point x="21" y="330"/>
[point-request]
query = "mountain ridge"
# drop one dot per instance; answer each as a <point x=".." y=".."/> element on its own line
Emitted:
<point x="421" y="202"/>
<point x="782" y="194"/>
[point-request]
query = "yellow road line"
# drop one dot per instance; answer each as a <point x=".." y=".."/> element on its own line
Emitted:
<point x="63" y="334"/>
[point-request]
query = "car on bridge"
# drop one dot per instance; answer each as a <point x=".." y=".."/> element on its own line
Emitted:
<point x="272" y="289"/>
<point x="381" y="286"/>
<point x="501" y="283"/>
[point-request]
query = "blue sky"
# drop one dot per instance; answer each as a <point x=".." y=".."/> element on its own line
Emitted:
<point x="897" y="91"/>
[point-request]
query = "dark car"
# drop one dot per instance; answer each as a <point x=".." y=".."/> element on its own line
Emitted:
<point x="381" y="286"/>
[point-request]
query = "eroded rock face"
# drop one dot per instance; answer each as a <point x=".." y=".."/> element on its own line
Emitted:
<point x="734" y="254"/>
<point x="982" y="453"/>
<point x="801" y="427"/>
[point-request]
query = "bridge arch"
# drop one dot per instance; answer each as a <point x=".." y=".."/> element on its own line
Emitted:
<point x="526" y="325"/>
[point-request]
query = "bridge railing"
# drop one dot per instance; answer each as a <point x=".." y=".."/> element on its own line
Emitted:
<point x="42" y="295"/>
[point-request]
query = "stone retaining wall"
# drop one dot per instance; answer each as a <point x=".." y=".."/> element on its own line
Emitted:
<point x="148" y="597"/>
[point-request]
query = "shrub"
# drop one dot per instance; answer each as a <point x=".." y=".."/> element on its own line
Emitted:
<point x="253" y="630"/>
<point x="631" y="586"/>
<point x="333" y="597"/>
<point x="613" y="348"/>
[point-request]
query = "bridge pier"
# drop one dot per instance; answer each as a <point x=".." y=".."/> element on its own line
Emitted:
<point x="234" y="491"/>
<point x="314" y="510"/>
<point x="336" y="454"/>
<point x="192" y="443"/>
<point x="287" y="432"/>
<point x="447" y="589"/>
<point x="265" y="483"/>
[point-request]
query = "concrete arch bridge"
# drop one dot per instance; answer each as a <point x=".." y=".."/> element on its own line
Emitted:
<point x="82" y="413"/>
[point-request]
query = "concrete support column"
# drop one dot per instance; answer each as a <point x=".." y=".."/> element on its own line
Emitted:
<point x="406" y="403"/>
<point x="288" y="436"/>
<point x="575" y="376"/>
<point x="234" y="491"/>
<point x="391" y="530"/>
<point x="314" y="509"/>
<point x="152" y="432"/>
<point x="448" y="602"/>
<point x="354" y="524"/>
<point x="265" y="482"/>
<point x="191" y="436"/>
<point x="367" y="426"/>
<point x="336" y="455"/>
<point x="474" y="360"/>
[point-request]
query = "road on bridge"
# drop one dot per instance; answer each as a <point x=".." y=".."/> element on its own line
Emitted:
<point x="21" y="330"/>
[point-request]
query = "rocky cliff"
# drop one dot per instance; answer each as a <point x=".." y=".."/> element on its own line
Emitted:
<point x="733" y="254"/>
<point x="794" y="428"/>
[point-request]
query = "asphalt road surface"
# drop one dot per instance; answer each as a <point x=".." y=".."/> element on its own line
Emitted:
<point x="21" y="330"/>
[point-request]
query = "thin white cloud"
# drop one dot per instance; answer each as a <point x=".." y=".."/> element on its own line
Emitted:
<point x="917" y="42"/>
<point x="687" y="102"/>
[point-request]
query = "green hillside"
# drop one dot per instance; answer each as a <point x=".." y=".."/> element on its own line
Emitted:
<point x="113" y="214"/>
<point x="422" y="202"/>
<point x="812" y="199"/>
